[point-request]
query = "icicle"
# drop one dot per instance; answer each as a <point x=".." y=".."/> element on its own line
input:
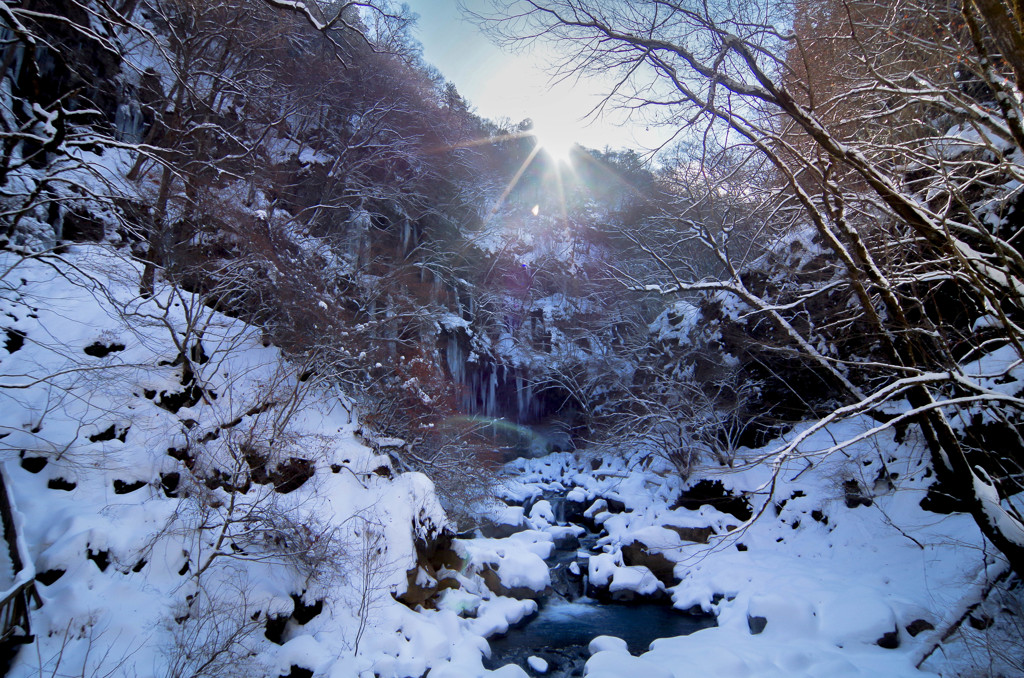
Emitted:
<point x="520" y="406"/>
<point x="128" y="122"/>
<point x="492" y="399"/>
<point x="456" y="360"/>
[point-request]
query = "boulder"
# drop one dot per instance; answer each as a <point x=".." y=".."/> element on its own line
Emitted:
<point x="493" y="581"/>
<point x="637" y="554"/>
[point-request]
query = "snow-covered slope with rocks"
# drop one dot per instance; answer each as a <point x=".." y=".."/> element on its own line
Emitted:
<point x="194" y="504"/>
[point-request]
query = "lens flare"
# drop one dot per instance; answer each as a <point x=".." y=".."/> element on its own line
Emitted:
<point x="555" y="138"/>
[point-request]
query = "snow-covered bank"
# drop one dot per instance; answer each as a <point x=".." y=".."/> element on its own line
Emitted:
<point x="840" y="571"/>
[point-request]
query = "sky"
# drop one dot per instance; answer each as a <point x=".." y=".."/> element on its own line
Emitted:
<point x="500" y="84"/>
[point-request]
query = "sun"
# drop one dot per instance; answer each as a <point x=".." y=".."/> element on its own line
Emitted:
<point x="556" y="138"/>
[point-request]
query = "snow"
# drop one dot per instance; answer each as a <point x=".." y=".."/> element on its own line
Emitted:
<point x="813" y="590"/>
<point x="608" y="644"/>
<point x="518" y="560"/>
<point x="537" y="664"/>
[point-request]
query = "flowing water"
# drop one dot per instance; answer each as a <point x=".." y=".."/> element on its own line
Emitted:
<point x="568" y="620"/>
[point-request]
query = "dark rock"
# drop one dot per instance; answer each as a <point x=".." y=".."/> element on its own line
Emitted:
<point x="34" y="464"/>
<point x="298" y="672"/>
<point x="756" y="624"/>
<point x="573" y="511"/>
<point x="169" y="483"/>
<point x="981" y="622"/>
<point x="856" y="495"/>
<point x="303" y="613"/>
<point x="567" y="541"/>
<point x="493" y="530"/>
<point x="627" y="596"/>
<point x="172" y="402"/>
<point x="698" y="535"/>
<point x="889" y="640"/>
<point x="77" y="227"/>
<point x="615" y="506"/>
<point x="713" y="493"/>
<point x="494" y="583"/>
<point x="121" y="487"/>
<point x="61" y="484"/>
<point x="919" y="626"/>
<point x="286" y="476"/>
<point x="101" y="558"/>
<point x="419" y="590"/>
<point x="424" y="581"/>
<point x="15" y="340"/>
<point x="292" y="474"/>
<point x="107" y="434"/>
<point x="49" y="577"/>
<point x="940" y="500"/>
<point x="275" y="628"/>
<point x="98" y="350"/>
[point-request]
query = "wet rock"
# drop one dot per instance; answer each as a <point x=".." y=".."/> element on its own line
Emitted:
<point x="603" y="593"/>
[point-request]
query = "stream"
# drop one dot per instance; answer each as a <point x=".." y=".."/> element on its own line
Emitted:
<point x="568" y="619"/>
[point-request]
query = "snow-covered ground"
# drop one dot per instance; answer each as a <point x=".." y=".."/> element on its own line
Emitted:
<point x="152" y="560"/>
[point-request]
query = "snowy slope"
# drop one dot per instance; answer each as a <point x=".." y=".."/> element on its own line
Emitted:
<point x="233" y="524"/>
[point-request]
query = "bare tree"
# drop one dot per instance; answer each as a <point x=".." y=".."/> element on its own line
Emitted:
<point x="898" y="213"/>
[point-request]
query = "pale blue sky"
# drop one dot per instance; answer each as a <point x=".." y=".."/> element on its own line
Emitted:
<point x="501" y="84"/>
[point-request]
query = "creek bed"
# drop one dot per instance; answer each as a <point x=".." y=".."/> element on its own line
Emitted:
<point x="561" y="631"/>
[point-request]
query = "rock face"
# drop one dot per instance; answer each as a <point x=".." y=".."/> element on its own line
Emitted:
<point x="434" y="558"/>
